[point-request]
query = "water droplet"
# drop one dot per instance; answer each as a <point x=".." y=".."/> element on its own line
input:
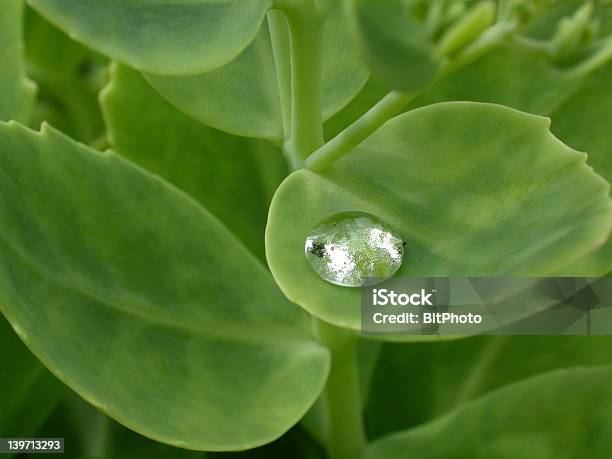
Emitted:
<point x="351" y="247"/>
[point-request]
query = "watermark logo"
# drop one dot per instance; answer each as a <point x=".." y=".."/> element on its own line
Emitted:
<point x="503" y="306"/>
<point x="383" y="297"/>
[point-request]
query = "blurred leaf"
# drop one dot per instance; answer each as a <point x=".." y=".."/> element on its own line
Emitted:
<point x="295" y="444"/>
<point x="435" y="175"/>
<point x="69" y="77"/>
<point x="122" y="443"/>
<point x="91" y="434"/>
<point x="160" y="36"/>
<point x="417" y="383"/>
<point x="88" y="433"/>
<point x="396" y="46"/>
<point x="80" y="425"/>
<point x="552" y="416"/>
<point x="368" y="353"/>
<point x="29" y="392"/>
<point x="233" y="177"/>
<point x="17" y="92"/>
<point x="124" y="287"/>
<point x="243" y="97"/>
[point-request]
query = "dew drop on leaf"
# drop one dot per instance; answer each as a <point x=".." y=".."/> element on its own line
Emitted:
<point x="352" y="248"/>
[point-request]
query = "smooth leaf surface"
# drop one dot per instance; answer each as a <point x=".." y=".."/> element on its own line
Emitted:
<point x="583" y="121"/>
<point x="243" y="97"/>
<point x="436" y="176"/>
<point x="417" y="383"/>
<point x="240" y="98"/>
<point x="124" y="287"/>
<point x="233" y="177"/>
<point x="343" y="72"/>
<point x="69" y="77"/>
<point x="395" y="45"/>
<point x="170" y="37"/>
<point x="579" y="107"/>
<point x="16" y="90"/>
<point x="554" y="415"/>
<point x="28" y="399"/>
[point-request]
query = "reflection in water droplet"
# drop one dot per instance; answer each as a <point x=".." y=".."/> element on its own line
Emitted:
<point x="348" y="248"/>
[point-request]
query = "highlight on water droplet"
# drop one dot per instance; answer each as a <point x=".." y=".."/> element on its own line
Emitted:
<point x="350" y="248"/>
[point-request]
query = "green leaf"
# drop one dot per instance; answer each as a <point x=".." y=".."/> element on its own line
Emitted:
<point x="243" y="97"/>
<point x="69" y="77"/>
<point x="240" y="98"/>
<point x="295" y="444"/>
<point x="29" y="392"/>
<point x="583" y="122"/>
<point x="420" y="382"/>
<point x="144" y="304"/>
<point x="578" y="106"/>
<point x="465" y="185"/>
<point x="125" y="444"/>
<point x="88" y="433"/>
<point x="554" y="415"/>
<point x="233" y="177"/>
<point x="169" y="37"/>
<point x="508" y="76"/>
<point x="343" y="73"/>
<point x="16" y="90"/>
<point x="396" y="46"/>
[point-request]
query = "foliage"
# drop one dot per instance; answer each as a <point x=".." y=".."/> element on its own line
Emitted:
<point x="152" y="230"/>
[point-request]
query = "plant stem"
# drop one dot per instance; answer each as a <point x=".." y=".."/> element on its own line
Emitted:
<point x="306" y="36"/>
<point x="101" y="143"/>
<point x="342" y="397"/>
<point x="534" y="45"/>
<point x="395" y="101"/>
<point x="279" y="34"/>
<point x="345" y="437"/>
<point x="385" y="109"/>
<point x="601" y="56"/>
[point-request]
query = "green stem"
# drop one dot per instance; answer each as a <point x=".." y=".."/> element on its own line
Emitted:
<point x="342" y="397"/>
<point x="279" y="35"/>
<point x="534" y="45"/>
<point x="394" y="102"/>
<point x="504" y="9"/>
<point x="98" y="445"/>
<point x="101" y="143"/>
<point x="306" y="36"/>
<point x="385" y="109"/>
<point x="600" y="57"/>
